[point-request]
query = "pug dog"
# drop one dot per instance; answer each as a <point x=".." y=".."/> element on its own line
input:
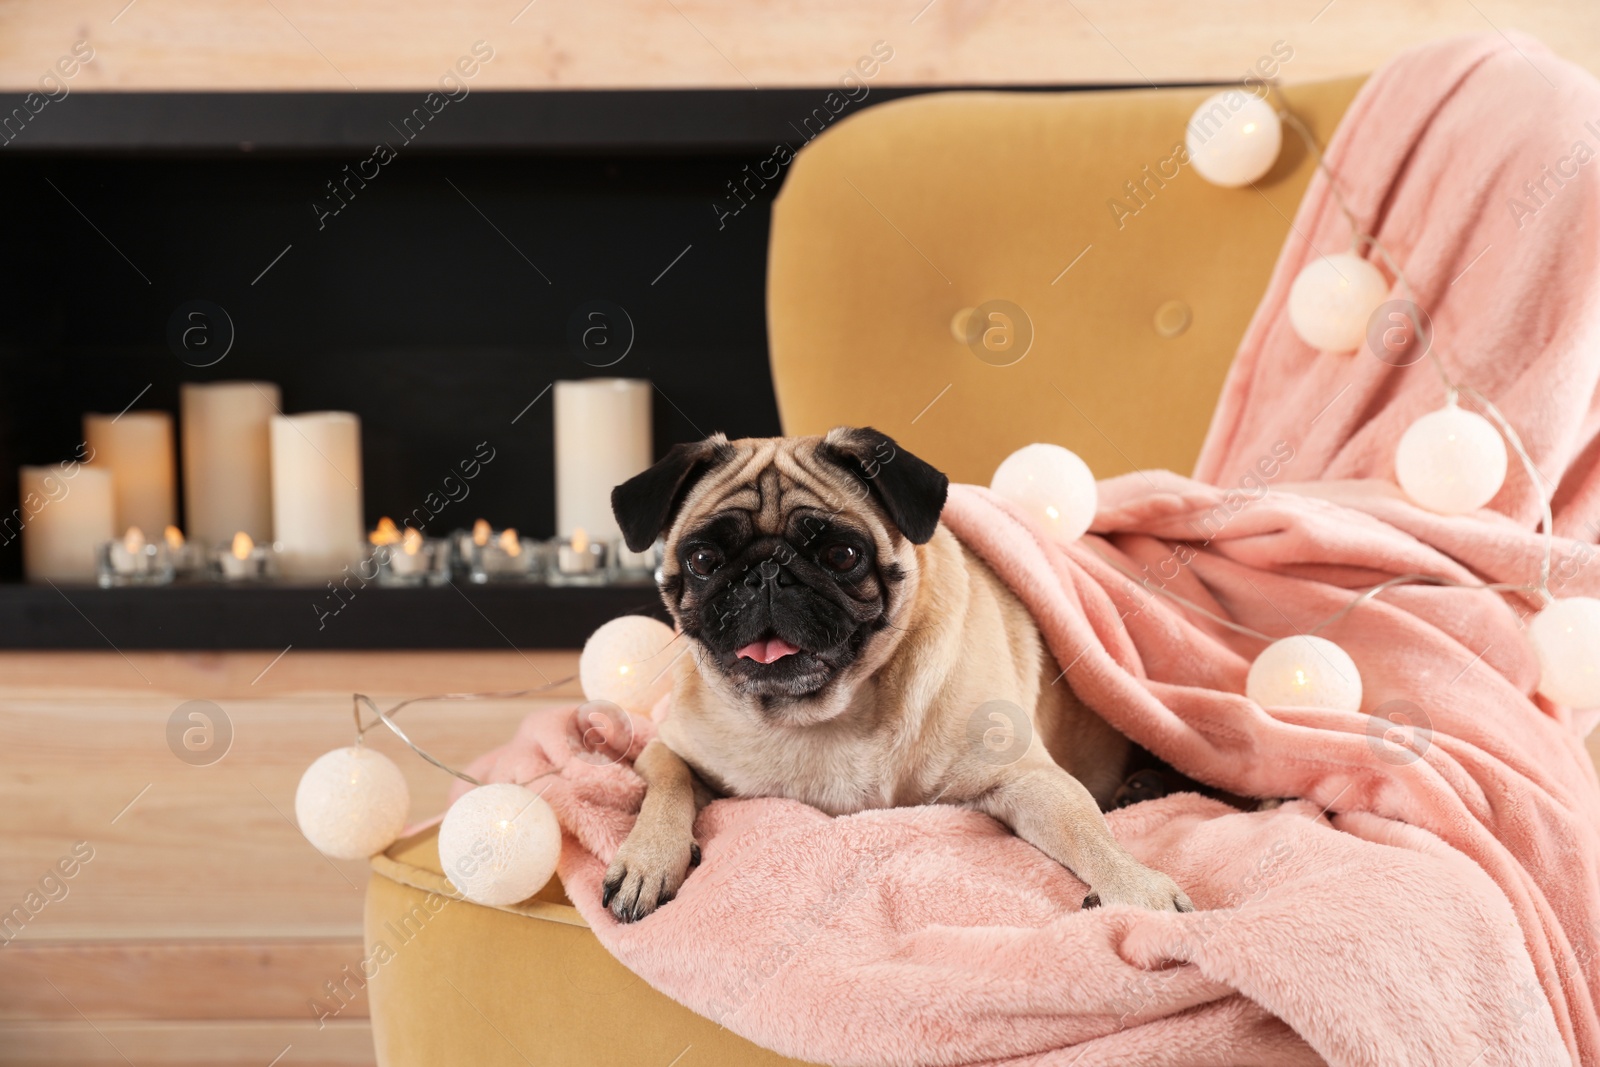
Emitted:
<point x="844" y="644"/>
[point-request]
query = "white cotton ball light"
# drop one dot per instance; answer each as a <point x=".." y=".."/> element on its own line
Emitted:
<point x="1451" y="461"/>
<point x="1333" y="298"/>
<point x="1053" y="485"/>
<point x="499" y="844"/>
<point x="1234" y="138"/>
<point x="625" y="662"/>
<point x="352" y="803"/>
<point x="1566" y="637"/>
<point x="1305" y="672"/>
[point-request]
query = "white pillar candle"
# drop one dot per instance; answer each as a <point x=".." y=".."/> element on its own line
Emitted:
<point x="316" y="493"/>
<point x="227" y="460"/>
<point x="68" y="514"/>
<point x="136" y="448"/>
<point x="602" y="440"/>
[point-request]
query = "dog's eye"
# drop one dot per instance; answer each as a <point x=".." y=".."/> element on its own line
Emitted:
<point x="704" y="561"/>
<point x="840" y="557"/>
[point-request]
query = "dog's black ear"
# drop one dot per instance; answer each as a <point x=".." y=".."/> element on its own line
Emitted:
<point x="645" y="504"/>
<point x="911" y="491"/>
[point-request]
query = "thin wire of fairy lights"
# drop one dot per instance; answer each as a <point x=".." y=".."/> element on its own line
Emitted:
<point x="360" y="700"/>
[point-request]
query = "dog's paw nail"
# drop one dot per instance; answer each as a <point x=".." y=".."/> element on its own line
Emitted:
<point x="1091" y="901"/>
<point x="694" y="855"/>
<point x="609" y="891"/>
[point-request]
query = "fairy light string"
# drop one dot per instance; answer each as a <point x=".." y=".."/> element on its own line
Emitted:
<point x="499" y="842"/>
<point x="1453" y="389"/>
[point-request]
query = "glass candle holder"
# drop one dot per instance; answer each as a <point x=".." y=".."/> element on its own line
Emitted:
<point x="635" y="567"/>
<point x="187" y="560"/>
<point x="414" y="562"/>
<point x="133" y="561"/>
<point x="243" y="561"/>
<point x="508" y="557"/>
<point x="578" y="561"/>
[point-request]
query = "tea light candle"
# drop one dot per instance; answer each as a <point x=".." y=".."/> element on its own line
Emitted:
<point x="636" y="564"/>
<point x="506" y="557"/>
<point x="184" y="559"/>
<point x="416" y="560"/>
<point x="134" y="561"/>
<point x="136" y="447"/>
<point x="409" y="560"/>
<point x="468" y="541"/>
<point x="227" y="459"/>
<point x="243" y="560"/>
<point x="70" y="514"/>
<point x="316" y="493"/>
<point x="602" y="439"/>
<point x="579" y="561"/>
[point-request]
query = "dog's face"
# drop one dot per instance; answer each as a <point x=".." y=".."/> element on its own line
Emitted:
<point x="786" y="558"/>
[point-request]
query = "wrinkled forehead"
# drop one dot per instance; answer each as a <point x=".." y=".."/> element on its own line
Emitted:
<point x="769" y="479"/>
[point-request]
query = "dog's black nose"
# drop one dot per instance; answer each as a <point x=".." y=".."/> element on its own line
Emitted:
<point x="773" y="572"/>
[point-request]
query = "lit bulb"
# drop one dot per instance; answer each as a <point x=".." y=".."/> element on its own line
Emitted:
<point x="1233" y="138"/>
<point x="625" y="662"/>
<point x="481" y="532"/>
<point x="499" y="844"/>
<point x="1331" y="300"/>
<point x="1052" y="485"/>
<point x="1451" y="461"/>
<point x="1566" y="638"/>
<point x="352" y="803"/>
<point x="1304" y="672"/>
<point x="242" y="545"/>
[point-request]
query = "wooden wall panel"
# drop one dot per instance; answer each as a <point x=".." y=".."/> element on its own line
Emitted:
<point x="212" y="851"/>
<point x="381" y="44"/>
<point x="204" y="923"/>
<point x="194" y="1044"/>
<point x="186" y="979"/>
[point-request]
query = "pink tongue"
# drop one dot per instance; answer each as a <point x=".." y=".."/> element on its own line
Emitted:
<point x="768" y="651"/>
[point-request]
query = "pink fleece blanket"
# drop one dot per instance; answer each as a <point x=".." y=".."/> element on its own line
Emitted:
<point x="1433" y="896"/>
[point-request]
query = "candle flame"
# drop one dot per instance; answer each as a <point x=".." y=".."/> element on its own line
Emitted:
<point x="580" y="540"/>
<point x="511" y="542"/>
<point x="386" y="533"/>
<point x="242" y="545"/>
<point x="411" y="544"/>
<point x="174" y="537"/>
<point x="480" y="532"/>
<point x="133" y="540"/>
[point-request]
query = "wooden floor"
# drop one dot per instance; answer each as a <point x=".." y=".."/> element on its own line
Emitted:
<point x="205" y="929"/>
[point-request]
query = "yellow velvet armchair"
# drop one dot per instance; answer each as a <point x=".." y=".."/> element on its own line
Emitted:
<point x="969" y="272"/>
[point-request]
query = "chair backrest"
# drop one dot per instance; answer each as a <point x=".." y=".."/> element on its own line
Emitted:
<point x="1137" y="276"/>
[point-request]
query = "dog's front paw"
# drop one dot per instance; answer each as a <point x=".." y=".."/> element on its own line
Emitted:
<point x="647" y="871"/>
<point x="1142" y="888"/>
